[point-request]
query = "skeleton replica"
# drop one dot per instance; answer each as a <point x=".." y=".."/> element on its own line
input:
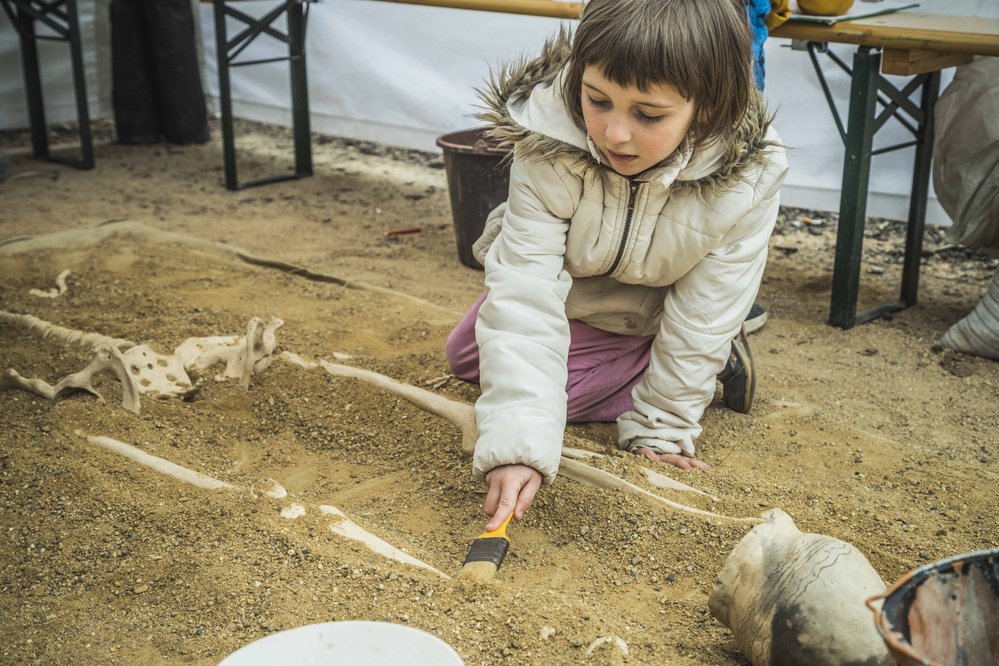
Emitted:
<point x="788" y="597"/>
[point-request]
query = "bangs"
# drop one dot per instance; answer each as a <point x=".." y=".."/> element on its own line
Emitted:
<point x="702" y="48"/>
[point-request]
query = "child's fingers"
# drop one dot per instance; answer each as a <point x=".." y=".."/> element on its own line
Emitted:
<point x="526" y="496"/>
<point x="492" y="498"/>
<point x="675" y="459"/>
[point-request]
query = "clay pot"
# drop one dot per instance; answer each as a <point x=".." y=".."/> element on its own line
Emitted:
<point x="795" y="598"/>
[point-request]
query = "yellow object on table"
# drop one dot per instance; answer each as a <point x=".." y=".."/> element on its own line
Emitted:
<point x="825" y="7"/>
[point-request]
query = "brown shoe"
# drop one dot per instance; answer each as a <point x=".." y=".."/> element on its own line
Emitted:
<point x="738" y="378"/>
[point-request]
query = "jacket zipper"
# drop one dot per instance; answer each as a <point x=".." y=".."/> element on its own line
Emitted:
<point x="627" y="227"/>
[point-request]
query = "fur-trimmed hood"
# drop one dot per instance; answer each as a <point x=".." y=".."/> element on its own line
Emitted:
<point x="524" y="107"/>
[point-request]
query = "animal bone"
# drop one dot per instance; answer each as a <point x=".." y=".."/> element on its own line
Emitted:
<point x="46" y="330"/>
<point x="613" y="640"/>
<point x="145" y="371"/>
<point x="344" y="526"/>
<point x="243" y="356"/>
<point x="655" y="478"/>
<point x="591" y="476"/>
<point x="53" y="293"/>
<point x="157" y="375"/>
<point x="463" y="416"/>
<point x="161" y="465"/>
<point x="106" y="359"/>
<point x="796" y="598"/>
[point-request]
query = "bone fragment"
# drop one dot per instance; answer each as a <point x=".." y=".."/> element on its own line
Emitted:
<point x="660" y="480"/>
<point x="161" y="465"/>
<point x="795" y="598"/>
<point x="344" y="526"/>
<point x="591" y="476"/>
<point x="657" y="479"/>
<point x="46" y="330"/>
<point x="292" y="512"/>
<point x="463" y="416"/>
<point x="157" y="375"/>
<point x="59" y="290"/>
<point x="242" y="356"/>
<point x="613" y="640"/>
<point x="106" y="359"/>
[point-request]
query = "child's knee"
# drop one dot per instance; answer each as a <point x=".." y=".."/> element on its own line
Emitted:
<point x="463" y="354"/>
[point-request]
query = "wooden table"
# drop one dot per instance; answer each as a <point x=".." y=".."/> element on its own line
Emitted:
<point x="903" y="43"/>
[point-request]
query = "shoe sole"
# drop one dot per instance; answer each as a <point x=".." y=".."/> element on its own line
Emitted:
<point x="755" y="324"/>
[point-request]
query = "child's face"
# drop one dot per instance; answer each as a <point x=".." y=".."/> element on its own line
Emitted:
<point x="634" y="130"/>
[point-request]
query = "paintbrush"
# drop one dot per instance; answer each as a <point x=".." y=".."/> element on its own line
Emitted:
<point x="486" y="554"/>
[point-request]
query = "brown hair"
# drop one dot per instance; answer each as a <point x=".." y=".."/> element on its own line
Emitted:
<point x="700" y="47"/>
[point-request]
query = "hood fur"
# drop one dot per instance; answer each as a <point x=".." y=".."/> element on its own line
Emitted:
<point x="730" y="156"/>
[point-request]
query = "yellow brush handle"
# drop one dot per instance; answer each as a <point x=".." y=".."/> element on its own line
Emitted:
<point x="499" y="531"/>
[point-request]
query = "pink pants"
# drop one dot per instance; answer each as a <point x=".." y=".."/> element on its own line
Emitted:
<point x="603" y="367"/>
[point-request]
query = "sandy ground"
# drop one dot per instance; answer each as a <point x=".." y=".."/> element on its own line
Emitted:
<point x="869" y="435"/>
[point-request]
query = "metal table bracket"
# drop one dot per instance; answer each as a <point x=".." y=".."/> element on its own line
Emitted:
<point x="868" y="90"/>
<point x="228" y="52"/>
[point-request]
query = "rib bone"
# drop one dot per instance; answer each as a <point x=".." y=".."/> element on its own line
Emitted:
<point x="343" y="526"/>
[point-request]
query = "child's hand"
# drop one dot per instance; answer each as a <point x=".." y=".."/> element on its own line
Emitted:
<point x="511" y="488"/>
<point x="675" y="459"/>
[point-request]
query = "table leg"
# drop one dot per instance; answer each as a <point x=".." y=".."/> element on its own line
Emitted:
<point x="920" y="189"/>
<point x="80" y="87"/>
<point x="225" y="97"/>
<point x="299" y="90"/>
<point x="32" y="83"/>
<point x="853" y="199"/>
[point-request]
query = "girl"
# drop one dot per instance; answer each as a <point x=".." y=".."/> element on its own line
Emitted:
<point x="643" y="191"/>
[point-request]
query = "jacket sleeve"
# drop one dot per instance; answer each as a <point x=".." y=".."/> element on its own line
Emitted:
<point x="702" y="312"/>
<point x="522" y="331"/>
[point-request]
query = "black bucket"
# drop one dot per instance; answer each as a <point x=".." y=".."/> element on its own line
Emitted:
<point x="478" y="180"/>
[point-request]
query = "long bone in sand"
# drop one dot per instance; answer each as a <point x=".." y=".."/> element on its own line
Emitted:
<point x="463" y="417"/>
<point x="341" y="524"/>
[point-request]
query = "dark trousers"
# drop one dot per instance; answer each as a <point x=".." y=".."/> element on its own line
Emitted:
<point x="156" y="83"/>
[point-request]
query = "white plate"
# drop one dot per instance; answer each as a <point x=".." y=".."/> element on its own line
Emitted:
<point x="347" y="643"/>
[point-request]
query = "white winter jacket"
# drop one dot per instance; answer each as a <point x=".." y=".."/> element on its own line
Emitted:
<point x="677" y="251"/>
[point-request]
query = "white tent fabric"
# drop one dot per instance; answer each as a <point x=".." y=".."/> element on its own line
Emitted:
<point x="405" y="74"/>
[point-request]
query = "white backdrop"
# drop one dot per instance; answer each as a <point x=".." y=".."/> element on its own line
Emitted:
<point x="405" y="74"/>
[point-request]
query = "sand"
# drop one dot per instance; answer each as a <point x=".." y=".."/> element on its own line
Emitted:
<point x="870" y="435"/>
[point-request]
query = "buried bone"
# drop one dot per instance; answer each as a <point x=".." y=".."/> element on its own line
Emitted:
<point x="796" y="598"/>
<point x="463" y="416"/>
<point x="106" y="359"/>
<point x="342" y="525"/>
<point x="59" y="290"/>
<point x="140" y="369"/>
